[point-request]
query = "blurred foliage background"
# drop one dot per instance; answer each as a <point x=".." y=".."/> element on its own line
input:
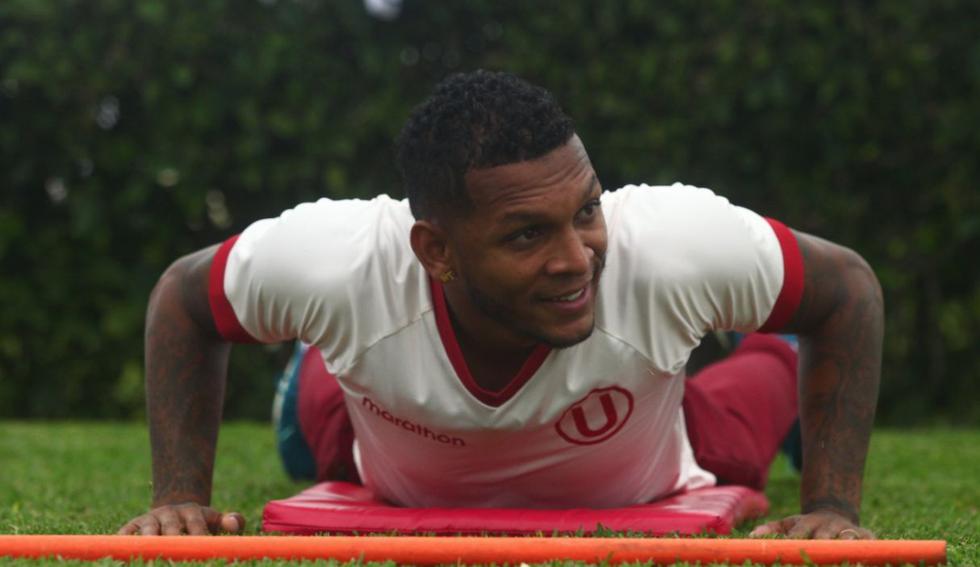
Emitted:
<point x="134" y="132"/>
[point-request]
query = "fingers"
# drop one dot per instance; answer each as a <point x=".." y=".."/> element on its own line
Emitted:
<point x="828" y="526"/>
<point x="195" y="519"/>
<point x="818" y="525"/>
<point x="191" y="519"/>
<point x="170" y="522"/>
<point x="776" y="527"/>
<point x="856" y="533"/>
<point x="216" y="522"/>
<point x="233" y="523"/>
<point x="834" y="529"/>
<point x="132" y="527"/>
<point x="146" y="524"/>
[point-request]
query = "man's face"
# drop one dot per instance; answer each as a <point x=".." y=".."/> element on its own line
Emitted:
<point x="530" y="252"/>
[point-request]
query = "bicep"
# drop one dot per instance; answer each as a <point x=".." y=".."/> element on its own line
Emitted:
<point x="185" y="285"/>
<point x="833" y="276"/>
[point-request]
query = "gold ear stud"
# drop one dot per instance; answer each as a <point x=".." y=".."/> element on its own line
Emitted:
<point x="447" y="276"/>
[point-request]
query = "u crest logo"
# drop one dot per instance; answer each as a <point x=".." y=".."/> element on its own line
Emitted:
<point x="596" y="417"/>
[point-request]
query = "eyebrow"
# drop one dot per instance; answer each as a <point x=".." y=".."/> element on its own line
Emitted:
<point x="522" y="217"/>
<point x="588" y="189"/>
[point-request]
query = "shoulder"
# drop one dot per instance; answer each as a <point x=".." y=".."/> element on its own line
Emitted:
<point x="326" y="241"/>
<point x="666" y="207"/>
<point x="336" y="271"/>
<point x="681" y="229"/>
<point x="683" y="260"/>
<point x="368" y="223"/>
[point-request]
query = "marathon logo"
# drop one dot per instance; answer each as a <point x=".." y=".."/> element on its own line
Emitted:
<point x="420" y="430"/>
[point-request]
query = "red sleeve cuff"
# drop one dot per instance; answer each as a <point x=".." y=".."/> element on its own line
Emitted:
<point x="221" y="310"/>
<point x="792" y="291"/>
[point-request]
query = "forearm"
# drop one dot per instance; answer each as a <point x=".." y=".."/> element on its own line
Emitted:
<point x="186" y="367"/>
<point x="840" y="367"/>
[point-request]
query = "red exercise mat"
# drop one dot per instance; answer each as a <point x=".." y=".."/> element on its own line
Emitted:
<point x="344" y="508"/>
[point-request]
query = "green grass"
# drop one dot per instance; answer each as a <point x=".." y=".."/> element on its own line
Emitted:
<point x="90" y="478"/>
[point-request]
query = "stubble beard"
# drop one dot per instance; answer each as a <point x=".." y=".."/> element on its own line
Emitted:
<point x="505" y="317"/>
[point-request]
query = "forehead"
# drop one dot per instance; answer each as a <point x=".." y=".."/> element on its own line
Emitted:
<point x="564" y="172"/>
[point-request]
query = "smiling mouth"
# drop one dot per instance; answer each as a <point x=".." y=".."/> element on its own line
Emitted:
<point x="579" y="294"/>
<point x="569" y="297"/>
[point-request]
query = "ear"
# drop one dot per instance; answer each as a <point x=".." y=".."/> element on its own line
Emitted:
<point x="431" y="247"/>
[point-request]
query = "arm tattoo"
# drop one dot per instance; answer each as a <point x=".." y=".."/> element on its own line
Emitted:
<point x="185" y="380"/>
<point x="840" y="321"/>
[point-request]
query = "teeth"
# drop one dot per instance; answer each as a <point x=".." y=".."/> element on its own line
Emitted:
<point x="571" y="296"/>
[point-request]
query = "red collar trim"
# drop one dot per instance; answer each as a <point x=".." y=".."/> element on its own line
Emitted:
<point x="455" y="354"/>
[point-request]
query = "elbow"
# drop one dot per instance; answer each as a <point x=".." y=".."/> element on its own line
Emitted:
<point x="862" y="282"/>
<point x="181" y="294"/>
<point x="168" y="291"/>
<point x="859" y="311"/>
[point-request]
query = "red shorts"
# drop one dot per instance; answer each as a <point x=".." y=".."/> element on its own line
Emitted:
<point x="737" y="412"/>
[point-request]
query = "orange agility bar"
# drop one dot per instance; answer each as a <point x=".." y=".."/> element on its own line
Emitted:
<point x="513" y="550"/>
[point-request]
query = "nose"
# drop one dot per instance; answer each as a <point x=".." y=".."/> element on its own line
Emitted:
<point x="571" y="255"/>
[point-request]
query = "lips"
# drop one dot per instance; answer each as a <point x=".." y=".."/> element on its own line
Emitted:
<point x="568" y="297"/>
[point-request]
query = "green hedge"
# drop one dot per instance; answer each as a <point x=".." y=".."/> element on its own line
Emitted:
<point x="134" y="132"/>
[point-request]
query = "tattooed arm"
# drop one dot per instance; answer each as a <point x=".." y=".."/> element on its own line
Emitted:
<point x="840" y="322"/>
<point x="186" y="369"/>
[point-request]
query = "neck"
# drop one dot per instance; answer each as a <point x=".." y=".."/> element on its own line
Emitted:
<point x="493" y="355"/>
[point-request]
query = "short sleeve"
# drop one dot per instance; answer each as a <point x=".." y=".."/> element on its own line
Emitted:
<point x="223" y="313"/>
<point x="337" y="274"/>
<point x="686" y="261"/>
<point x="791" y="290"/>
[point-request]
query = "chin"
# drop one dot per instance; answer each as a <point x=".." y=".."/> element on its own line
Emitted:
<point x="565" y="341"/>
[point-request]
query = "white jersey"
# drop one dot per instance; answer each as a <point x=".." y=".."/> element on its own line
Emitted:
<point x="598" y="424"/>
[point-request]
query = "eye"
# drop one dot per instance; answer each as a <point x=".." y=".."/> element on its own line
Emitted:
<point x="528" y="234"/>
<point x="589" y="210"/>
<point x="525" y="236"/>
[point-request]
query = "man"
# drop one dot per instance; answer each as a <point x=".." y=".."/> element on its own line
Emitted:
<point x="513" y="337"/>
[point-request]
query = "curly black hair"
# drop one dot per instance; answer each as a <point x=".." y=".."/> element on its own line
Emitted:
<point x="474" y="120"/>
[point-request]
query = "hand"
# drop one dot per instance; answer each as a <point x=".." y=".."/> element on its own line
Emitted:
<point x="821" y="524"/>
<point x="188" y="518"/>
